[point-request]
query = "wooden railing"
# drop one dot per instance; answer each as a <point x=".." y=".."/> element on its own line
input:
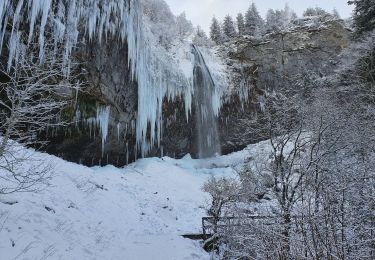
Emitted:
<point x="211" y="225"/>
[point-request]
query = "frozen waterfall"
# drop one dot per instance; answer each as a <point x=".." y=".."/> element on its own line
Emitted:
<point x="57" y="27"/>
<point x="204" y="102"/>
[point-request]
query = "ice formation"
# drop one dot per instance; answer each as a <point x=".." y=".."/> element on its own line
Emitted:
<point x="206" y="105"/>
<point x="57" y="26"/>
<point x="102" y="119"/>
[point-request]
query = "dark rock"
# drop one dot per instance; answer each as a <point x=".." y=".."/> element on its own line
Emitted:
<point x="50" y="209"/>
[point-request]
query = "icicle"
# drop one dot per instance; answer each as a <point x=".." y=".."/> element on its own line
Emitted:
<point x="13" y="47"/>
<point x="102" y="118"/>
<point x="15" y="35"/>
<point x="262" y="103"/>
<point x="77" y="117"/>
<point x="46" y="5"/>
<point x="127" y="153"/>
<point x="3" y="8"/>
<point x="2" y="33"/>
<point x="118" y="132"/>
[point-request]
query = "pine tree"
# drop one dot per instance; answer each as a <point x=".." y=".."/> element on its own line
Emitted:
<point x="253" y="21"/>
<point x="279" y="20"/>
<point x="317" y="11"/>
<point x="229" y="30"/>
<point x="215" y="31"/>
<point x="364" y="16"/>
<point x="309" y="12"/>
<point x="184" y="26"/>
<point x="272" y="21"/>
<point x="240" y="24"/>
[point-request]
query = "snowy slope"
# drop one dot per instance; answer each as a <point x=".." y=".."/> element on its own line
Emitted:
<point x="138" y="212"/>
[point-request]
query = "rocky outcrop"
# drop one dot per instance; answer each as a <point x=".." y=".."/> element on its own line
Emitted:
<point x="259" y="66"/>
<point x="275" y="63"/>
<point x="109" y="83"/>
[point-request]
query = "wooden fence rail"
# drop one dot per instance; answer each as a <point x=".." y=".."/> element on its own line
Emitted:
<point x="209" y="224"/>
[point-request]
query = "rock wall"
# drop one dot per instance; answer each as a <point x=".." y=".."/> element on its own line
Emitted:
<point x="109" y="83"/>
<point x="259" y="65"/>
<point x="275" y="63"/>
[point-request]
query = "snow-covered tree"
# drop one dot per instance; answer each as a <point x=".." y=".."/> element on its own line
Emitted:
<point x="275" y="21"/>
<point x="317" y="11"/>
<point x="200" y="38"/>
<point x="32" y="97"/>
<point x="254" y="23"/>
<point x="364" y="15"/>
<point x="216" y="34"/>
<point x="309" y="12"/>
<point x="229" y="30"/>
<point x="271" y="21"/>
<point x="162" y="21"/>
<point x="184" y="26"/>
<point x="240" y="24"/>
<point x="279" y="20"/>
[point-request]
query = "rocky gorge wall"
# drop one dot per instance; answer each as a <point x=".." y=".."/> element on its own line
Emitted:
<point x="260" y="67"/>
<point x="257" y="67"/>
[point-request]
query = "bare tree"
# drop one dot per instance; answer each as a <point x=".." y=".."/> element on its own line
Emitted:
<point x="32" y="96"/>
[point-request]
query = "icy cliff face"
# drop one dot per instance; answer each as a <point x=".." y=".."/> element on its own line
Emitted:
<point x="59" y="26"/>
<point x="277" y="63"/>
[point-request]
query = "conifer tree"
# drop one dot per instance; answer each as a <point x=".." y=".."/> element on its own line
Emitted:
<point x="229" y="31"/>
<point x="364" y="15"/>
<point x="279" y="20"/>
<point x="317" y="11"/>
<point x="240" y="24"/>
<point x="253" y="21"/>
<point x="272" y="21"/>
<point x="215" y="31"/>
<point x="200" y="38"/>
<point x="184" y="26"/>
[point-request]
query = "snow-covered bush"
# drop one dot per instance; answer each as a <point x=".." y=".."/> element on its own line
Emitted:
<point x="222" y="191"/>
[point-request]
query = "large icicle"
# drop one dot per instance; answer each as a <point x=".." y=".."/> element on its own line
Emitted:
<point x="102" y="118"/>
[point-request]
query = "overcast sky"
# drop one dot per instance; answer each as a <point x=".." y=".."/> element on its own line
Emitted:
<point x="200" y="12"/>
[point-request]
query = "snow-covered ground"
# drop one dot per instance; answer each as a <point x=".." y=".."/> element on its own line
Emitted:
<point x="137" y="212"/>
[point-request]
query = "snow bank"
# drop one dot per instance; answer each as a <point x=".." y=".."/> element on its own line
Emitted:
<point x="136" y="212"/>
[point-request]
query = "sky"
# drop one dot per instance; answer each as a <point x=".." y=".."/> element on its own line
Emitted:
<point x="200" y="12"/>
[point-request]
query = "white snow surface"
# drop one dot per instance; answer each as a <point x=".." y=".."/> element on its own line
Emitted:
<point x="136" y="212"/>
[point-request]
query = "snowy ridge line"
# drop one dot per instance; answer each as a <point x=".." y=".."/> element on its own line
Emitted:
<point x="67" y="22"/>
